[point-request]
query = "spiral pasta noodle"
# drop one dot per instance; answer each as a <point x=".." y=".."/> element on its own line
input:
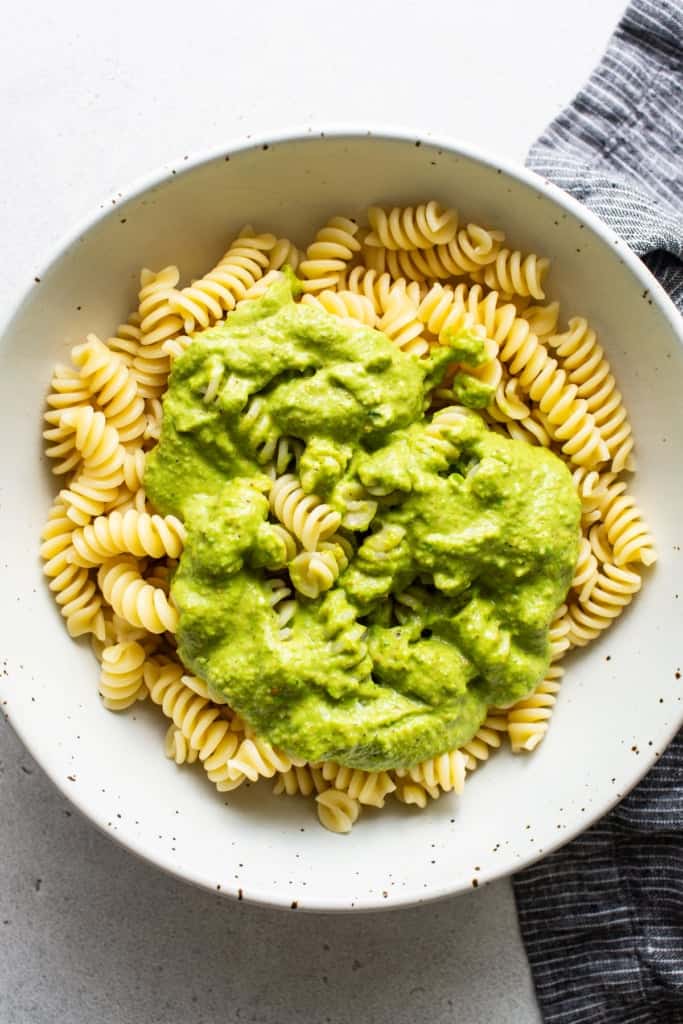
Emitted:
<point x="415" y="793"/>
<point x="199" y="721"/>
<point x="113" y="386"/>
<point x="370" y="285"/>
<point x="303" y="780"/>
<point x="515" y="274"/>
<point x="133" y="598"/>
<point x="446" y="772"/>
<point x="255" y="758"/>
<point x="612" y="589"/>
<point x="584" y="360"/>
<point x="283" y="605"/>
<point x="177" y="748"/>
<point x="627" y="533"/>
<point x="74" y="591"/>
<point x="419" y="227"/>
<point x="565" y="416"/>
<point x="486" y="739"/>
<point x="307" y="516"/>
<point x="313" y="572"/>
<point x="352" y="308"/>
<point x="327" y="256"/>
<point x="401" y="324"/>
<point x="284" y="253"/>
<point x="470" y="250"/>
<point x="586" y="567"/>
<point x="126" y="342"/>
<point x="337" y="811"/>
<point x="102" y="468"/>
<point x="121" y="678"/>
<point x="131" y="532"/>
<point x="527" y="720"/>
<point x="370" y="788"/>
<point x="205" y="301"/>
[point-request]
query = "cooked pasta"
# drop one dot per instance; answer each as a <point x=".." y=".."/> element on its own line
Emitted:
<point x="370" y="788"/>
<point x="113" y="387"/>
<point x="132" y="532"/>
<point x="283" y="605"/>
<point x="284" y="253"/>
<point x="126" y="342"/>
<point x="515" y="274"/>
<point x="121" y="678"/>
<point x="349" y="306"/>
<point x="416" y="793"/>
<point x="301" y="780"/>
<point x="586" y="366"/>
<point x="313" y="572"/>
<point x="255" y="758"/>
<point x="327" y="256"/>
<point x="177" y="748"/>
<point x="420" y="277"/>
<point x="600" y="602"/>
<point x="133" y="598"/>
<point x="337" y="811"/>
<point x="205" y="301"/>
<point x="446" y="772"/>
<point x="486" y="739"/>
<point x="468" y="251"/>
<point x="401" y="324"/>
<point x="74" y="590"/>
<point x="627" y="534"/>
<point x="307" y="516"/>
<point x="527" y="720"/>
<point x="418" y="227"/>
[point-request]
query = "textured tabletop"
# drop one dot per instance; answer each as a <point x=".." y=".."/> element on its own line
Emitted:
<point x="94" y="97"/>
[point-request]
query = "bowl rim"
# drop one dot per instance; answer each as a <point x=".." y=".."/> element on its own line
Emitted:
<point x="177" y="168"/>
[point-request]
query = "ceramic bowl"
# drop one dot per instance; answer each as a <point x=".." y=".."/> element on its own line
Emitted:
<point x="621" y="699"/>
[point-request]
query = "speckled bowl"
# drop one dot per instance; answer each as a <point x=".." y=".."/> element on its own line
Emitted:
<point x="621" y="700"/>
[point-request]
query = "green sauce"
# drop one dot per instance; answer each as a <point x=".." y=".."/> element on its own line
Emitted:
<point x="445" y="605"/>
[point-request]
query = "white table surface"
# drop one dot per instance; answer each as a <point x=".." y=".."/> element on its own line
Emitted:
<point x="93" y="96"/>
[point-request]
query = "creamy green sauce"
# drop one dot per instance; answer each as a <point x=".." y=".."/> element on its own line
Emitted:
<point x="445" y="605"/>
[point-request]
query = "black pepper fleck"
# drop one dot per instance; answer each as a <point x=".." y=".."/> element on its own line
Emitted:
<point x="294" y="905"/>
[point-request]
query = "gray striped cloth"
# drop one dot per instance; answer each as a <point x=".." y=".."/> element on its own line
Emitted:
<point x="602" y="919"/>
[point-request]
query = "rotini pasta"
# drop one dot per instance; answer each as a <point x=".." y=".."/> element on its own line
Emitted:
<point x="468" y="251"/>
<point x="113" y="387"/>
<point x="327" y="256"/>
<point x="121" y="678"/>
<point x="75" y="593"/>
<point x="421" y="277"/>
<point x="627" y="534"/>
<point x="584" y="360"/>
<point x="419" y="227"/>
<point x="205" y="301"/>
<point x="313" y="572"/>
<point x="370" y="788"/>
<point x="304" y="515"/>
<point x="133" y="598"/>
<point x="515" y="274"/>
<point x="337" y="811"/>
<point x="131" y="532"/>
<point x="255" y="758"/>
<point x="352" y="308"/>
<point x="301" y="780"/>
<point x="602" y="601"/>
<point x="528" y="720"/>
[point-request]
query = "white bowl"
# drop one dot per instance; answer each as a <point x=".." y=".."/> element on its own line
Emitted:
<point x="621" y="700"/>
